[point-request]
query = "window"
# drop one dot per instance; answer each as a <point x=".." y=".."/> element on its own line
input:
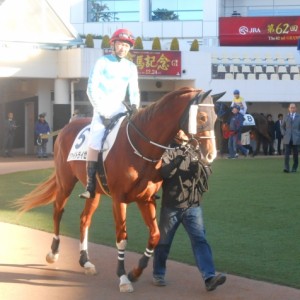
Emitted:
<point x="112" y="10"/>
<point x="181" y="10"/>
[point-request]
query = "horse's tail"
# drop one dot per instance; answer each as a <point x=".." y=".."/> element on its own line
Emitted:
<point x="43" y="194"/>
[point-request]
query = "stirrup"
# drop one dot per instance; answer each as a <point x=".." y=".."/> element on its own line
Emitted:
<point x="87" y="195"/>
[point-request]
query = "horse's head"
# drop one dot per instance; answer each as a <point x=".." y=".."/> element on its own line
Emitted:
<point x="199" y="122"/>
<point x="222" y="111"/>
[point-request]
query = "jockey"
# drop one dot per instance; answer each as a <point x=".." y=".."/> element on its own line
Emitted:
<point x="237" y="100"/>
<point x="112" y="77"/>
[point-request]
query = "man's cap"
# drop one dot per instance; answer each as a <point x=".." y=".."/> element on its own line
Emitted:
<point x="236" y="106"/>
<point x="42" y="115"/>
<point x="236" y="92"/>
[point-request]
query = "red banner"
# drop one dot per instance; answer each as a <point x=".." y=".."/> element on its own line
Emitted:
<point x="155" y="63"/>
<point x="259" y="31"/>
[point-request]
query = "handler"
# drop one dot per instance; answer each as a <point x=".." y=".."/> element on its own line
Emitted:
<point x="184" y="182"/>
<point x="111" y="78"/>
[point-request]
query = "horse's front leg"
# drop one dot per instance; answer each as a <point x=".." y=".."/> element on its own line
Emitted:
<point x="148" y="211"/>
<point x="85" y="222"/>
<point x="119" y="210"/>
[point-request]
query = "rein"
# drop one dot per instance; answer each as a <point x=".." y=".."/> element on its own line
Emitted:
<point x="145" y="139"/>
<point x="138" y="153"/>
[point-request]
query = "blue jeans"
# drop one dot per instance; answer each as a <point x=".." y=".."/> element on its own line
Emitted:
<point x="234" y="145"/>
<point x="192" y="220"/>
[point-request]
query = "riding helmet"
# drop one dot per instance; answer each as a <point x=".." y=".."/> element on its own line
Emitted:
<point x="123" y="35"/>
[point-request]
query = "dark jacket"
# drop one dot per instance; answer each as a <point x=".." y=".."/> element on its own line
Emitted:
<point x="271" y="129"/>
<point x="236" y="123"/>
<point x="183" y="176"/>
<point x="41" y="128"/>
<point x="278" y="133"/>
<point x="9" y="127"/>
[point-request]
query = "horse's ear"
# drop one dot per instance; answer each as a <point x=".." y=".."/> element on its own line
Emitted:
<point x="200" y="97"/>
<point x="217" y="96"/>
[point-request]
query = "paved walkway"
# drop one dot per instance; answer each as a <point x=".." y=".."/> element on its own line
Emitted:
<point x="24" y="273"/>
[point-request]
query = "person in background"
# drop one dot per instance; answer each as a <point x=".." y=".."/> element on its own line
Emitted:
<point x="9" y="135"/>
<point x="111" y="79"/>
<point x="234" y="141"/>
<point x="238" y="100"/>
<point x="41" y="128"/>
<point x="278" y="134"/>
<point x="76" y="115"/>
<point x="271" y="131"/>
<point x="291" y="138"/>
<point x="184" y="176"/>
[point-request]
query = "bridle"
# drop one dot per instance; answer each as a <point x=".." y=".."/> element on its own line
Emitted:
<point x="194" y="137"/>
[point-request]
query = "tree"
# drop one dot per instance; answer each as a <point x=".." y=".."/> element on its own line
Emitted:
<point x="98" y="12"/>
<point x="164" y="15"/>
<point x="105" y="42"/>
<point x="194" y="45"/>
<point x="174" y="45"/>
<point x="156" y="44"/>
<point x="89" y="41"/>
<point x="138" y="44"/>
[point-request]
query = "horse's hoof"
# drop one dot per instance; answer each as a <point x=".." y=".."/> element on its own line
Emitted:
<point x="125" y="285"/>
<point x="89" y="269"/>
<point x="52" y="258"/>
<point x="126" y="288"/>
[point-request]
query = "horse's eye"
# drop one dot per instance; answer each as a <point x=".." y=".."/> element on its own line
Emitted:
<point x="202" y="118"/>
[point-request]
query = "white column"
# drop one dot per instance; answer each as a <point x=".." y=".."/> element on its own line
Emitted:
<point x="45" y="86"/>
<point x="144" y="10"/>
<point x="210" y="22"/>
<point x="61" y="91"/>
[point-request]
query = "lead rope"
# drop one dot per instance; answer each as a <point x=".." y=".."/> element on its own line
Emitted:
<point x="146" y="139"/>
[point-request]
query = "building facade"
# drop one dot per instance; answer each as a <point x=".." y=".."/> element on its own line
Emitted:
<point x="52" y="77"/>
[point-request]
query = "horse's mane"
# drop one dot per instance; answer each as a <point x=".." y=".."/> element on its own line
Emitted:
<point x="162" y="103"/>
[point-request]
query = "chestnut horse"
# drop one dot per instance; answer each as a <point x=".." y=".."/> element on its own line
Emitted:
<point x="132" y="169"/>
<point x="259" y="131"/>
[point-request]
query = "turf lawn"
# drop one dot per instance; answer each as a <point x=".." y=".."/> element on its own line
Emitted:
<point x="251" y="213"/>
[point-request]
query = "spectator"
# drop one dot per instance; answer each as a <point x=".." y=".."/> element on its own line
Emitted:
<point x="238" y="100"/>
<point x="271" y="131"/>
<point x="76" y="115"/>
<point x="9" y="135"/>
<point x="278" y="134"/>
<point x="42" y="128"/>
<point x="184" y="181"/>
<point x="291" y="138"/>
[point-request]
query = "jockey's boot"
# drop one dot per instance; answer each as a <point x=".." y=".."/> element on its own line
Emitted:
<point x="91" y="169"/>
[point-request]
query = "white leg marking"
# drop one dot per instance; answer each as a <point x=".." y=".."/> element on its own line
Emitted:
<point x="84" y="244"/>
<point x="125" y="285"/>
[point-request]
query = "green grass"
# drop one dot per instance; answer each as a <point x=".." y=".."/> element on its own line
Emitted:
<point x="251" y="214"/>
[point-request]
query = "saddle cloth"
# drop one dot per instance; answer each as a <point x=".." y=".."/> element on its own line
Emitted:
<point x="248" y="120"/>
<point x="80" y="144"/>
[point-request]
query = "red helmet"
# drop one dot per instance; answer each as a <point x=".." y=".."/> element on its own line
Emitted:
<point x="123" y="35"/>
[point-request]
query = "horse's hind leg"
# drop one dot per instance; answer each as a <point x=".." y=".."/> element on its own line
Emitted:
<point x="85" y="222"/>
<point x="62" y="197"/>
